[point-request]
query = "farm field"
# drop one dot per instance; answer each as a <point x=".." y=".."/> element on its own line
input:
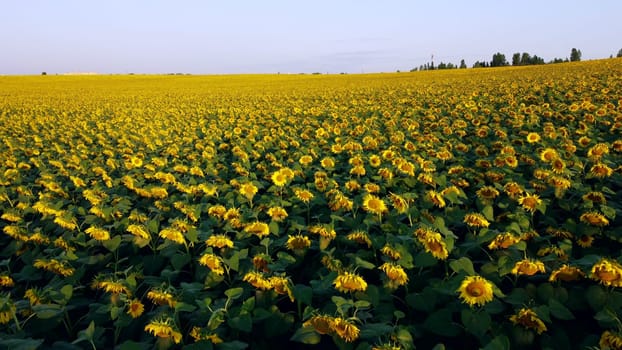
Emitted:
<point x="471" y="208"/>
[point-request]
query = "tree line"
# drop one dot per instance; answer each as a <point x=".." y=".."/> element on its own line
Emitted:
<point x="499" y="60"/>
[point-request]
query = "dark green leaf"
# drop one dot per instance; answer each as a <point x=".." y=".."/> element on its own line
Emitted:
<point x="560" y="311"/>
<point x="306" y="335"/>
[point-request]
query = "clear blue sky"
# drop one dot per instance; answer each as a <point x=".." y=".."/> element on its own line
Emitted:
<point x="269" y="36"/>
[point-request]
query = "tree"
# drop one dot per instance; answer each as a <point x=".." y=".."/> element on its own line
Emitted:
<point x="619" y="53"/>
<point x="516" y="59"/>
<point x="463" y="64"/>
<point x="575" y="55"/>
<point x="498" y="60"/>
<point x="525" y="59"/>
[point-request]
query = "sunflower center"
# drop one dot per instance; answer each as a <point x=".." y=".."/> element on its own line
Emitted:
<point x="475" y="289"/>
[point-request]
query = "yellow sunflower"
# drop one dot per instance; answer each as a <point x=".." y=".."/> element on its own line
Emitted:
<point x="566" y="273"/>
<point x="528" y="267"/>
<point x="529" y="202"/>
<point x="374" y="205"/>
<point x="349" y="282"/>
<point x="528" y="319"/>
<point x="475" y="290"/>
<point x="219" y="241"/>
<point x="476" y="220"/>
<point x="595" y="219"/>
<point x="608" y="272"/>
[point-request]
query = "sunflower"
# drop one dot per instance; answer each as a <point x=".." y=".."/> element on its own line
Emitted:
<point x="349" y="282"/>
<point x="375" y="161"/>
<point x="6" y="281"/>
<point x="98" y="233"/>
<point x="528" y="267"/>
<point x="279" y="178"/>
<point x="139" y="231"/>
<point x="322" y="324"/>
<point x="601" y="170"/>
<point x="566" y="273"/>
<point x="374" y="205"/>
<point x="435" y="245"/>
<point x="529" y="202"/>
<point x="610" y="341"/>
<point x="595" y="197"/>
<point x="487" y="193"/>
<point x="111" y="286"/>
<point x="391" y="252"/>
<point x="345" y="329"/>
<point x="436" y="199"/>
<point x="305" y="160"/>
<point x="585" y="241"/>
<point x="399" y="203"/>
<point x="160" y="296"/>
<point x="298" y="242"/>
<point x="248" y="190"/>
<point x="327" y="163"/>
<point x="533" y="137"/>
<point x="528" y="319"/>
<point x="257" y="280"/>
<point x="277" y="213"/>
<point x="260" y="229"/>
<point x="395" y="273"/>
<point x="163" y="328"/>
<point x="219" y="241"/>
<point x="359" y="237"/>
<point x="608" y="272"/>
<point x="595" y="219"/>
<point x="548" y="155"/>
<point x="513" y="189"/>
<point x="172" y="234"/>
<point x="213" y="262"/>
<point x="558" y="166"/>
<point x="475" y="290"/>
<point x="303" y="195"/>
<point x="135" y="308"/>
<point x="476" y="220"/>
<point x="503" y="241"/>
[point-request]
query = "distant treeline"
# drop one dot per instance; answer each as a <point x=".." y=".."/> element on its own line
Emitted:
<point x="499" y="60"/>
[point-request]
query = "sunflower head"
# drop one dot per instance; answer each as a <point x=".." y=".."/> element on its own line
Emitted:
<point x="475" y="290"/>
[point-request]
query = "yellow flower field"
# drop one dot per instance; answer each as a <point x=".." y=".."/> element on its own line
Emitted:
<point x="471" y="208"/>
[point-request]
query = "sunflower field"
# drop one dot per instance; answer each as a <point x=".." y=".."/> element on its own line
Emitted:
<point x="475" y="208"/>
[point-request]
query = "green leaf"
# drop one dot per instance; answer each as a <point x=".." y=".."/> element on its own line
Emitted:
<point x="476" y="323"/>
<point x="463" y="264"/>
<point x="47" y="311"/>
<point x="274" y="228"/>
<point x="560" y="311"/>
<point x="184" y="307"/>
<point x="21" y="344"/>
<point x="609" y="212"/>
<point x="441" y="323"/>
<point x="242" y="322"/>
<point x="232" y="345"/>
<point x="67" y="292"/>
<point x="233" y="262"/>
<point x="488" y="213"/>
<point x="179" y="261"/>
<point x="112" y="244"/>
<point x="363" y="264"/>
<point x="303" y="293"/>
<point x="424" y="259"/>
<point x="500" y="342"/>
<point x="375" y="330"/>
<point x="234" y="293"/>
<point x="306" y="335"/>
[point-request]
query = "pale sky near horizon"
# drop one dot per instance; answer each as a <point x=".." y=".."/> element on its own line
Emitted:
<point x="270" y="36"/>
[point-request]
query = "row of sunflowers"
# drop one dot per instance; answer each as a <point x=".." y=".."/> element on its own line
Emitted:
<point x="448" y="209"/>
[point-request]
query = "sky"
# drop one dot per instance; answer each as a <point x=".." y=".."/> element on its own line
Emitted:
<point x="279" y="36"/>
